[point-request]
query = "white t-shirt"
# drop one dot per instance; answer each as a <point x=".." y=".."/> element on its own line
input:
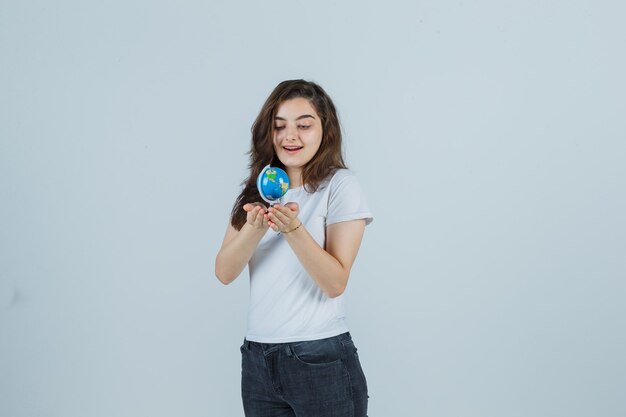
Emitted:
<point x="286" y="305"/>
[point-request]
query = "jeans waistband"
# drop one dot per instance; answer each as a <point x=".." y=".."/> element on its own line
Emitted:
<point x="271" y="347"/>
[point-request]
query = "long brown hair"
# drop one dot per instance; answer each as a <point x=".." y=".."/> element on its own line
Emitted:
<point x="329" y="156"/>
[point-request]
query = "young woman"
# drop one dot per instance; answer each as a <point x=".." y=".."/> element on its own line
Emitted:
<point x="298" y="358"/>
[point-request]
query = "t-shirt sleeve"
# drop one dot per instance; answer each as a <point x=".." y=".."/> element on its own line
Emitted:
<point x="346" y="200"/>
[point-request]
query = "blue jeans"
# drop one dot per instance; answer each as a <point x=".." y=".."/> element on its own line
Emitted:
<point x="317" y="378"/>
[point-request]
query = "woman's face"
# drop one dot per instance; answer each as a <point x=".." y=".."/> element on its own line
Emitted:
<point x="297" y="132"/>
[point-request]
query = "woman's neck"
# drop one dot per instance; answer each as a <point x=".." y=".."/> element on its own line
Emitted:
<point x="295" y="177"/>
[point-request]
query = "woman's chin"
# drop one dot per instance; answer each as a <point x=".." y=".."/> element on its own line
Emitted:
<point x="291" y="162"/>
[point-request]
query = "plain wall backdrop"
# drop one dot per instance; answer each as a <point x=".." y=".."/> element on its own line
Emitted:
<point x="489" y="137"/>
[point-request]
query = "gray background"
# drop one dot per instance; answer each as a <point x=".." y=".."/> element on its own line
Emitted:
<point x="489" y="137"/>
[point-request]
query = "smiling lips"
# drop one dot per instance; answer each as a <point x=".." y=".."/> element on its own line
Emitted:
<point x="292" y="149"/>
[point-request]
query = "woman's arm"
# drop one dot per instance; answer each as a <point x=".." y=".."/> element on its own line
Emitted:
<point x="239" y="246"/>
<point x="330" y="267"/>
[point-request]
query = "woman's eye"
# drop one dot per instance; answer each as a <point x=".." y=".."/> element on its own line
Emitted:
<point x="279" y="127"/>
<point x="304" y="127"/>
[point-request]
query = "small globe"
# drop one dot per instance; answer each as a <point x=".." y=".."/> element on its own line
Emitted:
<point x="272" y="183"/>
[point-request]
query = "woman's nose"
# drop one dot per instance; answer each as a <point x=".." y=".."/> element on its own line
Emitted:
<point x="291" y="133"/>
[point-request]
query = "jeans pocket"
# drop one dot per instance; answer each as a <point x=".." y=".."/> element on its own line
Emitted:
<point x="317" y="352"/>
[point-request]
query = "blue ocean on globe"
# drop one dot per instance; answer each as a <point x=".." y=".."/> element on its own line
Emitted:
<point x="272" y="183"/>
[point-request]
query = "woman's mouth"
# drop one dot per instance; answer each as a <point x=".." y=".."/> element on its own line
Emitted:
<point x="292" y="150"/>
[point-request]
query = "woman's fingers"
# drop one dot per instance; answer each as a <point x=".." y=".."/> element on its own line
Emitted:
<point x="282" y="217"/>
<point x="248" y="207"/>
<point x="260" y="215"/>
<point x="292" y="206"/>
<point x="255" y="215"/>
<point x="289" y="210"/>
<point x="274" y="226"/>
<point x="252" y="212"/>
<point x="279" y="216"/>
<point x="258" y="220"/>
<point x="271" y="220"/>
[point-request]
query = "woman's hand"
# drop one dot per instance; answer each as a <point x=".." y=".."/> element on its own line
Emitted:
<point x="283" y="218"/>
<point x="256" y="216"/>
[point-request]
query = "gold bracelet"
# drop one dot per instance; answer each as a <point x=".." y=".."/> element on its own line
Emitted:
<point x="296" y="228"/>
